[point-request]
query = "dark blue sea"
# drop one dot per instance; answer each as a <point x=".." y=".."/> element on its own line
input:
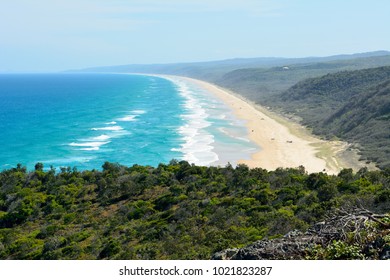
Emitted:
<point x="83" y="120"/>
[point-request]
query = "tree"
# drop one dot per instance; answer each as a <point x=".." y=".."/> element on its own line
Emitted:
<point x="39" y="166"/>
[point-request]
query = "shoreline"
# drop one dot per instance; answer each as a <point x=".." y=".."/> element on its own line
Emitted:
<point x="278" y="146"/>
<point x="283" y="143"/>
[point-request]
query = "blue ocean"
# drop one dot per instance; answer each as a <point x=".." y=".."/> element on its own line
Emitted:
<point x="83" y="120"/>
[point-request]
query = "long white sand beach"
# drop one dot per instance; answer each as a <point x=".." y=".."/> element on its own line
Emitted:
<point x="281" y="145"/>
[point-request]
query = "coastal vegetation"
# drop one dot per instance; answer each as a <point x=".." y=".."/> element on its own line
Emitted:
<point x="181" y="211"/>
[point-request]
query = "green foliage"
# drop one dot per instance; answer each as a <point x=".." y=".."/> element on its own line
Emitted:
<point x="338" y="250"/>
<point x="39" y="166"/>
<point x="174" y="211"/>
<point x="112" y="248"/>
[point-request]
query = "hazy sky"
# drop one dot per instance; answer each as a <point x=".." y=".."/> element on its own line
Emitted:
<point x="53" y="35"/>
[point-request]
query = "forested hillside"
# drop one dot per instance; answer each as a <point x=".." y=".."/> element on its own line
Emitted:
<point x="258" y="84"/>
<point x="351" y="105"/>
<point x="257" y="77"/>
<point x="181" y="211"/>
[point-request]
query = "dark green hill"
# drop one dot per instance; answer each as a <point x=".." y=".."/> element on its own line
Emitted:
<point x="351" y="105"/>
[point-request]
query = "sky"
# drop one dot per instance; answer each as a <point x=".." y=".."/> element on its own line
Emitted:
<point x="56" y="35"/>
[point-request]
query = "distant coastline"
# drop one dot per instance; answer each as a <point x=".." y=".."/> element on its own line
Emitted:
<point x="283" y="144"/>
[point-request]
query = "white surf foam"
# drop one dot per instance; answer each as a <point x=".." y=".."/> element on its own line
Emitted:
<point x="138" y="112"/>
<point x="130" y="118"/>
<point x="109" y="128"/>
<point x="197" y="147"/>
<point x="231" y="135"/>
<point x="102" y="137"/>
<point x="89" y="145"/>
<point x="64" y="161"/>
<point x="90" y="149"/>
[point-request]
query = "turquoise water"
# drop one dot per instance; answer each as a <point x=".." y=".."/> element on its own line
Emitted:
<point x="83" y="120"/>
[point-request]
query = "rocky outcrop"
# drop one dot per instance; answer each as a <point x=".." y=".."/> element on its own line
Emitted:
<point x="293" y="245"/>
<point x="296" y="245"/>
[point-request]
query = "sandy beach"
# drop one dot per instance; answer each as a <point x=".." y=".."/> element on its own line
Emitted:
<point x="282" y="144"/>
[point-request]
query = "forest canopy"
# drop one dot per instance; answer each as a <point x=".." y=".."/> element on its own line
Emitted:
<point x="173" y="211"/>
